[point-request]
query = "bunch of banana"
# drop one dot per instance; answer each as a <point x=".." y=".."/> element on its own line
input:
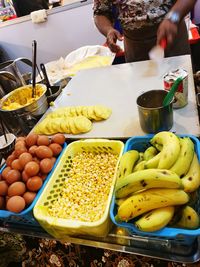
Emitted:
<point x="156" y="219"/>
<point x="145" y="179"/>
<point x="150" y="199"/>
<point x="170" y="148"/>
<point x="70" y="125"/>
<point x="182" y="164"/>
<point x="191" y="181"/>
<point x="189" y="218"/>
<point x="161" y="181"/>
<point x="95" y="113"/>
<point x="139" y="166"/>
<point x="140" y="163"/>
<point x="153" y="162"/>
<point x="127" y="163"/>
<point x="150" y="152"/>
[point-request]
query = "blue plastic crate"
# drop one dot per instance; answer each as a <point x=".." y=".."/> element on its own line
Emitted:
<point x="186" y="236"/>
<point x="26" y="216"/>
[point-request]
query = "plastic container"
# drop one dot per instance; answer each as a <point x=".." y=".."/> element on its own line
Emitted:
<point x="186" y="236"/>
<point x="26" y="216"/>
<point x="59" y="227"/>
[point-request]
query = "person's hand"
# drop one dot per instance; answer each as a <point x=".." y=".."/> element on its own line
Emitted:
<point x="167" y="30"/>
<point x="112" y="37"/>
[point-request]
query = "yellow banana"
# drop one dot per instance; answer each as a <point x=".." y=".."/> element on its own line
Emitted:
<point x="150" y="152"/>
<point x="139" y="166"/>
<point x="127" y="163"/>
<point x="189" y="219"/>
<point x="119" y="201"/>
<point x="191" y="181"/>
<point x="158" y="146"/>
<point x="156" y="219"/>
<point x="182" y="165"/>
<point x="141" y="157"/>
<point x="148" y="200"/>
<point x="170" y="150"/>
<point x="153" y="162"/>
<point x="145" y="179"/>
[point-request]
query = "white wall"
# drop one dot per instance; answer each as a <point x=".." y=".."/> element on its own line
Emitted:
<point x="62" y="33"/>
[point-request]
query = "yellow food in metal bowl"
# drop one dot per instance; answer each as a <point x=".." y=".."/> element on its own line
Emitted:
<point x="22" y="97"/>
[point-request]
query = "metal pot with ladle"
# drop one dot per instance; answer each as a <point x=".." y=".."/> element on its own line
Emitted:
<point x="22" y="120"/>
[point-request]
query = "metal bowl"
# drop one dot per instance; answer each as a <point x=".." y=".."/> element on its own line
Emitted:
<point x="37" y="107"/>
<point x="25" y="117"/>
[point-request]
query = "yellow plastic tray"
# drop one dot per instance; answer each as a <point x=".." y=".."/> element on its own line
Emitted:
<point x="59" y="227"/>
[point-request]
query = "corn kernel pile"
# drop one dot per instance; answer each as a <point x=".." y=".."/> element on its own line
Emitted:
<point x="87" y="187"/>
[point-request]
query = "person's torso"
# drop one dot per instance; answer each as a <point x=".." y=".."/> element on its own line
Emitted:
<point x="137" y="13"/>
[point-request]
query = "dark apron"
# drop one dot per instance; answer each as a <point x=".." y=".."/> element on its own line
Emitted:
<point x="138" y="43"/>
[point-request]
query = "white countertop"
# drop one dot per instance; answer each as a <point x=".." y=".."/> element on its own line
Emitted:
<point x="118" y="86"/>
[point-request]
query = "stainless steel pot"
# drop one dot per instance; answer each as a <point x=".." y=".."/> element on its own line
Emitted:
<point x="153" y="116"/>
<point x="22" y="120"/>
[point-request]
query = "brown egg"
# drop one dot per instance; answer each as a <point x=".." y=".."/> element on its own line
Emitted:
<point x="13" y="176"/>
<point x="3" y="188"/>
<point x="20" y="138"/>
<point x="5" y="172"/>
<point x="25" y="176"/>
<point x="20" y="144"/>
<point x="16" y="189"/>
<point x="24" y="158"/>
<point x="34" y="183"/>
<point x="2" y="203"/>
<point x="14" y="154"/>
<point x="56" y="149"/>
<point x="32" y="150"/>
<point x="29" y="197"/>
<point x="44" y="152"/>
<point x="20" y="150"/>
<point x="58" y="138"/>
<point x="16" y="165"/>
<point x="15" y="204"/>
<point x="46" y="165"/>
<point x="31" y="139"/>
<point x="10" y="159"/>
<point x="32" y="168"/>
<point x="43" y="140"/>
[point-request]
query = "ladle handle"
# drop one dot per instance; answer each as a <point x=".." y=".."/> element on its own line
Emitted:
<point x="34" y="56"/>
<point x="42" y="66"/>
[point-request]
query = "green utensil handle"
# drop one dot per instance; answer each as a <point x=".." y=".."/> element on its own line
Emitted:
<point x="168" y="98"/>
